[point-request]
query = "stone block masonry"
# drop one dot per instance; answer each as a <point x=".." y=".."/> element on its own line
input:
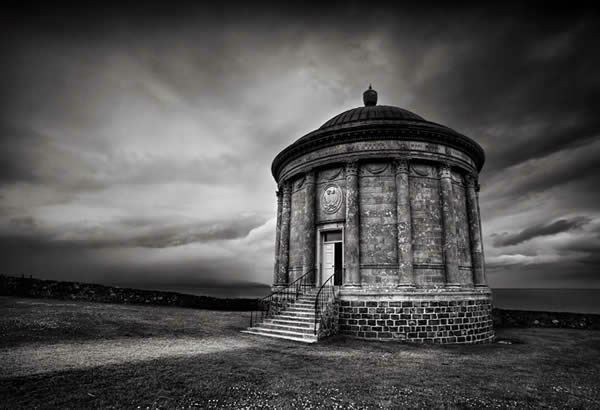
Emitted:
<point x="448" y="319"/>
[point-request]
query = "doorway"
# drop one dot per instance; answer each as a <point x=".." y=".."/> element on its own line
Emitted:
<point x="332" y="261"/>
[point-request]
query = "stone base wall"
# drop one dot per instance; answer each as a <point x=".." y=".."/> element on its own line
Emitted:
<point x="448" y="317"/>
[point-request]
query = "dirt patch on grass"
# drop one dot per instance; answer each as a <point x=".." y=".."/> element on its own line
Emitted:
<point x="39" y="358"/>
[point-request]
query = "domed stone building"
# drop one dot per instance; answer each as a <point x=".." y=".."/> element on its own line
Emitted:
<point x="379" y="233"/>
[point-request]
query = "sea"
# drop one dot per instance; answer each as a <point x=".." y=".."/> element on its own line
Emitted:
<point x="549" y="300"/>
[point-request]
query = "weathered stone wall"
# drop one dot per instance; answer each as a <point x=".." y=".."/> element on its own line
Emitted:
<point x="337" y="176"/>
<point x="378" y="231"/>
<point x="462" y="229"/>
<point x="418" y="319"/>
<point x="531" y="318"/>
<point x="329" y="325"/>
<point x="296" y="260"/>
<point x="426" y="225"/>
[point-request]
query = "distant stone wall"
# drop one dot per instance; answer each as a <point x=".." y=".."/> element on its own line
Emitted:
<point x="37" y="288"/>
<point x="527" y="318"/>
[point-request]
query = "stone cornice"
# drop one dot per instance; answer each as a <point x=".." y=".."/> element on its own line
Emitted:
<point x="400" y="130"/>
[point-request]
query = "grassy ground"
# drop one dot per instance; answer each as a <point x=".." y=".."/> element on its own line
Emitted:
<point x="81" y="355"/>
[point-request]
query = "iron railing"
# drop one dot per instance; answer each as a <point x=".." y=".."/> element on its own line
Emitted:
<point x="277" y="301"/>
<point x="324" y="295"/>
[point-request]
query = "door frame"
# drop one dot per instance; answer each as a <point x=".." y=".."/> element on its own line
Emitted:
<point x="336" y="226"/>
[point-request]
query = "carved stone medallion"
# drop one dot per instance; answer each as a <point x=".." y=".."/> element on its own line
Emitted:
<point x="331" y="198"/>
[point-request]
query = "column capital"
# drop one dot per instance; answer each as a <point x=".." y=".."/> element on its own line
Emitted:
<point x="352" y="167"/>
<point x="470" y="180"/>
<point x="286" y="188"/>
<point x="310" y="177"/>
<point x="401" y="165"/>
<point x="445" y="170"/>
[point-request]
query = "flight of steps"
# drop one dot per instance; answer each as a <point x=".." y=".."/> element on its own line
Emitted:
<point x="297" y="322"/>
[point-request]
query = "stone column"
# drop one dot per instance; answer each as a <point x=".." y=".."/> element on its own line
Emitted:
<point x="284" y="241"/>
<point x="277" y="235"/>
<point x="309" y="225"/>
<point x="474" y="217"/>
<point x="352" y="231"/>
<point x="450" y="244"/>
<point x="405" y="254"/>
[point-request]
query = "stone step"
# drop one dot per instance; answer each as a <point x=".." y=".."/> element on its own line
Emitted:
<point x="295" y="308"/>
<point x="304" y="305"/>
<point x="298" y="323"/>
<point x="286" y="337"/>
<point x="280" y="332"/>
<point x="310" y="315"/>
<point x="305" y="318"/>
<point x="288" y="328"/>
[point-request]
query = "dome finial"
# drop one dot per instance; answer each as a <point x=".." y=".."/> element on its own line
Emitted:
<point x="370" y="97"/>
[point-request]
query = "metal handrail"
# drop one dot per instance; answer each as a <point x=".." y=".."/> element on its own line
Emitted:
<point x="277" y="301"/>
<point x="322" y="298"/>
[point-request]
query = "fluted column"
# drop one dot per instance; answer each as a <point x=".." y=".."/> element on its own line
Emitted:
<point x="309" y="225"/>
<point x="450" y="243"/>
<point x="277" y="236"/>
<point x="284" y="241"/>
<point x="404" y="223"/>
<point x="352" y="232"/>
<point x="477" y="258"/>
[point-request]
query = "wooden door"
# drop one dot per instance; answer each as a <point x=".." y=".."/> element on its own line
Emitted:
<point x="328" y="263"/>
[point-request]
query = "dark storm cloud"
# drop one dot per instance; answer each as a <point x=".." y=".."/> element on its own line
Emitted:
<point x="562" y="225"/>
<point x="533" y="82"/>
<point x="113" y="112"/>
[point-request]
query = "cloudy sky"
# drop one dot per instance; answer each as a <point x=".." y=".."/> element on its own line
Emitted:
<point x="136" y="144"/>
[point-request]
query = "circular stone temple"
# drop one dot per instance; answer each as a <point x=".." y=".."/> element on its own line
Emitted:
<point x="385" y="204"/>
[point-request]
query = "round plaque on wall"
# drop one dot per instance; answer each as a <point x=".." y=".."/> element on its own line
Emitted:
<point x="331" y="198"/>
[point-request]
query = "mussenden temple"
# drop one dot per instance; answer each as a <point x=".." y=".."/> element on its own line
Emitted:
<point x="378" y="233"/>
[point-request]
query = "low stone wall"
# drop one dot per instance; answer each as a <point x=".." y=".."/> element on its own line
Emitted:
<point x="37" y="288"/>
<point x="440" y="319"/>
<point x="528" y="318"/>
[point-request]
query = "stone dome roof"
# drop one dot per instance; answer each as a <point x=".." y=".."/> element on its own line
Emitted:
<point x="373" y="123"/>
<point x="372" y="113"/>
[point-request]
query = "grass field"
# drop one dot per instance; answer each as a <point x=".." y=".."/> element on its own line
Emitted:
<point x="82" y="355"/>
